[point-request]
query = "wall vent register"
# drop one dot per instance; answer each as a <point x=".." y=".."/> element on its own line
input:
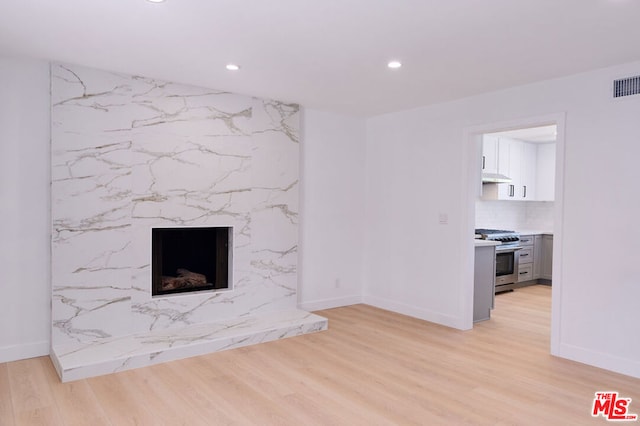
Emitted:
<point x="626" y="86"/>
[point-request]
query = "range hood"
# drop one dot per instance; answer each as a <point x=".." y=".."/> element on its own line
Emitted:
<point x="495" y="178"/>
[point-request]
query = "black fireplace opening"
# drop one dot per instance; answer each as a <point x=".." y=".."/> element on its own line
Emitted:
<point x="190" y="259"/>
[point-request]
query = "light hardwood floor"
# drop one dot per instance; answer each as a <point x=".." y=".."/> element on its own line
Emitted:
<point x="371" y="367"/>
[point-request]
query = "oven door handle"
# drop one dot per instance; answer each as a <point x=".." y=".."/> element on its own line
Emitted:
<point x="507" y="249"/>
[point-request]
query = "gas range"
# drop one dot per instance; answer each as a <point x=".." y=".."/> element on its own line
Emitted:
<point x="504" y="236"/>
<point x="507" y="256"/>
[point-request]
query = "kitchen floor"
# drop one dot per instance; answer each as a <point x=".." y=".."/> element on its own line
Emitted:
<point x="523" y="311"/>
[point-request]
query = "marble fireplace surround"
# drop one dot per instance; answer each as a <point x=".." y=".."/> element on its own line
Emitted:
<point x="131" y="153"/>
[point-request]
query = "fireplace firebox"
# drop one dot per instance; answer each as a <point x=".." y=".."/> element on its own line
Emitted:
<point x="190" y="259"/>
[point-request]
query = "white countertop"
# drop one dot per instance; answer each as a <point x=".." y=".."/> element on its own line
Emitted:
<point x="486" y="243"/>
<point x="534" y="232"/>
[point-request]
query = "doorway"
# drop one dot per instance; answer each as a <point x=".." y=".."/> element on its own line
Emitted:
<point x="523" y="201"/>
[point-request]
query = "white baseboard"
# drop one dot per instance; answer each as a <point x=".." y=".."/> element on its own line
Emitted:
<point x="626" y="366"/>
<point x="413" y="311"/>
<point x="28" y="350"/>
<point x="337" y="302"/>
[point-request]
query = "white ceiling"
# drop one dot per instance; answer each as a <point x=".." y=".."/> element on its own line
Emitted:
<point x="331" y="54"/>
<point x="540" y="134"/>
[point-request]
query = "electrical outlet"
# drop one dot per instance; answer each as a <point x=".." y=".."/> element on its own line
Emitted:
<point x="443" y="218"/>
<point x="337" y="283"/>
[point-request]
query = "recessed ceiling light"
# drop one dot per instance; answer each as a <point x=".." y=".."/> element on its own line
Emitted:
<point x="233" y="67"/>
<point x="394" y="64"/>
<point x="156" y="1"/>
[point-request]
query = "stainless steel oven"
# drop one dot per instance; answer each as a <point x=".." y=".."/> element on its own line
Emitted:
<point x="507" y="255"/>
<point x="506" y="265"/>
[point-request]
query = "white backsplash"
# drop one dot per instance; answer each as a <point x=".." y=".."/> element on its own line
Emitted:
<point x="539" y="215"/>
<point x="515" y="215"/>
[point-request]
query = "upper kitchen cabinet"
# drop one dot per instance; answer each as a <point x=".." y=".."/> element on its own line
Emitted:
<point x="546" y="172"/>
<point x="528" y="169"/>
<point x="510" y="153"/>
<point x="529" y="166"/>
<point x="489" y="154"/>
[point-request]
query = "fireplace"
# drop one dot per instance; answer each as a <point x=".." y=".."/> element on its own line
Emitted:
<point x="190" y="259"/>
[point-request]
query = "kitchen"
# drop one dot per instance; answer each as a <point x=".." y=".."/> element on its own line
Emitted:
<point x="514" y="214"/>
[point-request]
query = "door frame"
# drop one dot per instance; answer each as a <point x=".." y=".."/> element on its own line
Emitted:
<point x="472" y="153"/>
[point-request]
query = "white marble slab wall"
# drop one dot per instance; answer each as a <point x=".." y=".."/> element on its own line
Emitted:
<point x="131" y="153"/>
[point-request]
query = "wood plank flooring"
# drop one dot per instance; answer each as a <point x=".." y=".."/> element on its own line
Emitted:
<point x="372" y="367"/>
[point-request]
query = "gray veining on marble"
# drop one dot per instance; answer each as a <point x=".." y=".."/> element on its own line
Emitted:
<point x="109" y="355"/>
<point x="131" y="153"/>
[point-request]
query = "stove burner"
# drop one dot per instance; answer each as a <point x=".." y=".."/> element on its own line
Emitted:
<point x="482" y="231"/>
<point x="505" y="237"/>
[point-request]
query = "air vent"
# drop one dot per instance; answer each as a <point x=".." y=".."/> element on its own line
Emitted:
<point x="626" y="86"/>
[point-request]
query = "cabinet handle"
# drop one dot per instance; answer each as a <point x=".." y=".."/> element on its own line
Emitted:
<point x="523" y="273"/>
<point x="483" y="163"/>
<point x="524" y="254"/>
<point x="512" y="190"/>
<point x="524" y="195"/>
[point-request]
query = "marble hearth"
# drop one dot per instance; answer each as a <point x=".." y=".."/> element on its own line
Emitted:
<point x="76" y="360"/>
<point x="130" y="154"/>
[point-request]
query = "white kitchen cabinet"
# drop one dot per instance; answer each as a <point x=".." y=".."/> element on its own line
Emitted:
<point x="510" y="162"/>
<point x="547" y="257"/>
<point x="522" y="170"/>
<point x="508" y="156"/>
<point x="546" y="172"/>
<point x="530" y="166"/>
<point x="489" y="154"/>
<point x="514" y="167"/>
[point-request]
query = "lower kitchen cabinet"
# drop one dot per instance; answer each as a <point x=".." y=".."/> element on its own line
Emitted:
<point x="484" y="282"/>
<point x="525" y="272"/>
<point x="536" y="257"/>
<point x="526" y="258"/>
<point x="547" y="257"/>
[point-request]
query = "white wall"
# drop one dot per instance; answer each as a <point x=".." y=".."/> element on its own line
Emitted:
<point x="332" y="210"/>
<point x="414" y="175"/>
<point x="417" y="169"/>
<point x="24" y="209"/>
